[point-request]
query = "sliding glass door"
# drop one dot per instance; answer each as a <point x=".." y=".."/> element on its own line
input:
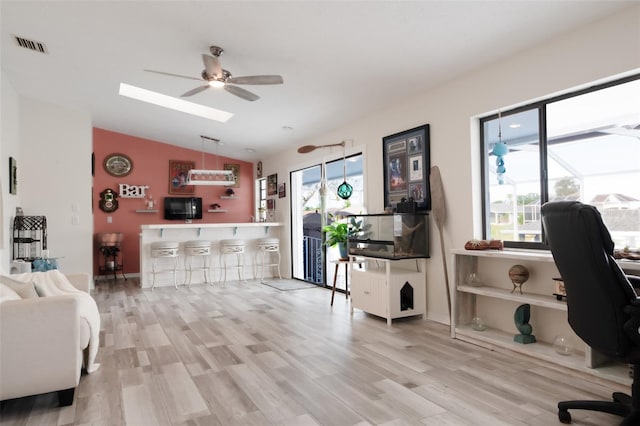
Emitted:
<point x="310" y="210"/>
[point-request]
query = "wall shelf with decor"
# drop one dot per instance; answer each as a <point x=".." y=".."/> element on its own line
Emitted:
<point x="484" y="301"/>
<point x="146" y="211"/>
<point x="217" y="211"/>
<point x="229" y="197"/>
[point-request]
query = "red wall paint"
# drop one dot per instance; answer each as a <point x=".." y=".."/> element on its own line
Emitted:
<point x="151" y="167"/>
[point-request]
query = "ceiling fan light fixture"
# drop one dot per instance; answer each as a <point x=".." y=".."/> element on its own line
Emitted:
<point x="216" y="83"/>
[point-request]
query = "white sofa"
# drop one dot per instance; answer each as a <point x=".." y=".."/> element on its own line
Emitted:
<point x="43" y="341"/>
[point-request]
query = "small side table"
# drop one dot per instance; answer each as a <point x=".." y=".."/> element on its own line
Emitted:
<point x="346" y="263"/>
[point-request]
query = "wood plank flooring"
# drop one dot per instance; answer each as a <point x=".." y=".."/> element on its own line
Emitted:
<point x="248" y="354"/>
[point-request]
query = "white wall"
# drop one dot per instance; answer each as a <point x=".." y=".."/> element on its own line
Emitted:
<point x="52" y="146"/>
<point x="603" y="49"/>
<point x="55" y="179"/>
<point x="9" y="147"/>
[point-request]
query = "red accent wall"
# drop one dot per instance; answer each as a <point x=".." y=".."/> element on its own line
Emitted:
<point x="151" y="167"/>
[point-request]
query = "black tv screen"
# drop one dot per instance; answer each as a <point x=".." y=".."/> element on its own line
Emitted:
<point x="182" y="208"/>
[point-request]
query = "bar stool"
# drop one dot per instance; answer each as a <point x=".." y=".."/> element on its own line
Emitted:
<point x="194" y="249"/>
<point x="232" y="247"/>
<point x="164" y="250"/>
<point x="266" y="248"/>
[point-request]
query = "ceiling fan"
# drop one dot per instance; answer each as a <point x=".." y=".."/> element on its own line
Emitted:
<point x="215" y="76"/>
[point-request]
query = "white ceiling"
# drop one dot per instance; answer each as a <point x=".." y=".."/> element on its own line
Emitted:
<point x="340" y="60"/>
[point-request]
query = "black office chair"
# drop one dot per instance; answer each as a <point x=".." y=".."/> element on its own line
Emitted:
<point x="603" y="306"/>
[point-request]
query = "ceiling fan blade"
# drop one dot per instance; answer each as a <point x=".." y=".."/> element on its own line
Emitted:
<point x="174" y="75"/>
<point x="212" y="66"/>
<point x="242" y="93"/>
<point x="257" y="79"/>
<point x="194" y="91"/>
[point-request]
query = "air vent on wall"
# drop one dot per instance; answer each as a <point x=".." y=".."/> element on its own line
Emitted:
<point x="31" y="44"/>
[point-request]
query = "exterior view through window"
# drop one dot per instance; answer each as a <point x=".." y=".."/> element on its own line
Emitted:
<point x="310" y="260"/>
<point x="583" y="146"/>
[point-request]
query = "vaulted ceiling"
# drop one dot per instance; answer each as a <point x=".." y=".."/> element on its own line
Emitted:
<point x="339" y="60"/>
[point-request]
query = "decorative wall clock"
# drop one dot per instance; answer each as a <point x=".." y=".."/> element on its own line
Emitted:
<point x="118" y="165"/>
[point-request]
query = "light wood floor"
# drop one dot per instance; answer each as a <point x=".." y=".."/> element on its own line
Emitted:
<point x="248" y="354"/>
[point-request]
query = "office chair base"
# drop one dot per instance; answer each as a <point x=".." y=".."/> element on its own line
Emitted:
<point x="620" y="406"/>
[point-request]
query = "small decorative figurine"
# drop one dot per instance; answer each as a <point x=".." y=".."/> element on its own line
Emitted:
<point x="521" y="318"/>
<point x="518" y="275"/>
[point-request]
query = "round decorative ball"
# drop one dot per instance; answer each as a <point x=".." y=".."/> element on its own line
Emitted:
<point x="478" y="324"/>
<point x="518" y="274"/>
<point x="562" y="345"/>
<point x="345" y="190"/>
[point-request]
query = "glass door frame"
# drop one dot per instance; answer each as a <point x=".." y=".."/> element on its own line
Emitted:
<point x="298" y="253"/>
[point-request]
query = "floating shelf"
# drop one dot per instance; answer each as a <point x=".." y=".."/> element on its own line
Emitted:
<point x="217" y="211"/>
<point x="146" y="211"/>
<point x="228" y="197"/>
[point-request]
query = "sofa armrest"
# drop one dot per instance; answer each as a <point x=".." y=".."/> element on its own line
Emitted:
<point x="40" y="349"/>
<point x="81" y="281"/>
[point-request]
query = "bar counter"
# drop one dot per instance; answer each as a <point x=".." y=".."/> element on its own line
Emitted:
<point x="214" y="232"/>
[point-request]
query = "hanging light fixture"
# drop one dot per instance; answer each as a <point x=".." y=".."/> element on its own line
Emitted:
<point x="215" y="177"/>
<point x="500" y="149"/>
<point x="344" y="190"/>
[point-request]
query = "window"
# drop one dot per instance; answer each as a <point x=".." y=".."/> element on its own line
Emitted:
<point x="582" y="146"/>
<point x="262" y="199"/>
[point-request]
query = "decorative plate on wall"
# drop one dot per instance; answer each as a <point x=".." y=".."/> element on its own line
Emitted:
<point x="118" y="165"/>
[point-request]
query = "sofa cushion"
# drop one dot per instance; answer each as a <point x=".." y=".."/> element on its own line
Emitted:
<point x="7" y="293"/>
<point x="25" y="290"/>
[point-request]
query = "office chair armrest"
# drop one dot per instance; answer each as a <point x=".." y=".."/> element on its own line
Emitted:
<point x="632" y="326"/>
<point x="634" y="280"/>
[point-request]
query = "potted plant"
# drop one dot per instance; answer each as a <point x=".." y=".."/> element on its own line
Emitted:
<point x="338" y="233"/>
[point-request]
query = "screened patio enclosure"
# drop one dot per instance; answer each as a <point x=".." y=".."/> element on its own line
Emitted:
<point x="590" y="152"/>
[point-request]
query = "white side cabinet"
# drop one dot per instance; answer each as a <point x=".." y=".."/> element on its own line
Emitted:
<point x="389" y="288"/>
<point x="490" y="299"/>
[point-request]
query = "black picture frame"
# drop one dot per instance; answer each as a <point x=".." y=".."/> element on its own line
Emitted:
<point x="13" y="176"/>
<point x="406" y="163"/>
<point x="272" y="184"/>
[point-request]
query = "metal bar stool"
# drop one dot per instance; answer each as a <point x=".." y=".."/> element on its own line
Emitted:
<point x="193" y="250"/>
<point x="164" y="250"/>
<point x="266" y="248"/>
<point x="232" y="247"/>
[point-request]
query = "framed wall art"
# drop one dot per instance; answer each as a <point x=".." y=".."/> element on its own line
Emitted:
<point x="178" y="171"/>
<point x="13" y="176"/>
<point x="271" y="204"/>
<point x="272" y="184"/>
<point x="406" y="167"/>
<point x="235" y="168"/>
<point x="282" y="190"/>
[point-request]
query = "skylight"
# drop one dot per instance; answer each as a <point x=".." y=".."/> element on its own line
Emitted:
<point x="173" y="103"/>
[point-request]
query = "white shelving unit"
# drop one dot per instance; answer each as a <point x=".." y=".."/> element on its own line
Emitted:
<point x="377" y="287"/>
<point x="494" y="302"/>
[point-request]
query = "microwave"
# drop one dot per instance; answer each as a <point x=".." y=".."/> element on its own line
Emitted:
<point x="182" y="208"/>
